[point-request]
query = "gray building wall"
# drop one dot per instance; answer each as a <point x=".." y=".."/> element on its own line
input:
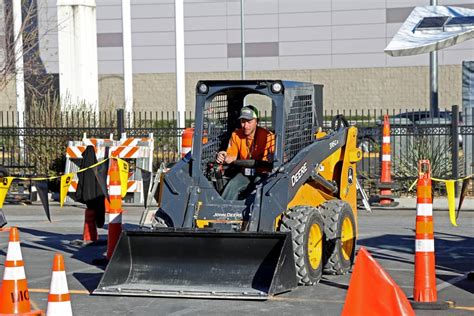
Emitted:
<point x="338" y="43"/>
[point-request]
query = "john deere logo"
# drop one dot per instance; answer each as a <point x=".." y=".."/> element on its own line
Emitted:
<point x="68" y="179"/>
<point x="5" y="181"/>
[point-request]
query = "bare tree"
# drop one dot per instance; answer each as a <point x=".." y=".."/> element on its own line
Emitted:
<point x="39" y="85"/>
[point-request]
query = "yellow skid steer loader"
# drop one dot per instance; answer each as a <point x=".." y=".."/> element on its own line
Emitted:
<point x="298" y="221"/>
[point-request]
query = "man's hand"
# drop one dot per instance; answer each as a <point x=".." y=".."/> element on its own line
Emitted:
<point x="221" y="157"/>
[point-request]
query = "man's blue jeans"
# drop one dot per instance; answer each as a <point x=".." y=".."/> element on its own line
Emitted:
<point x="236" y="186"/>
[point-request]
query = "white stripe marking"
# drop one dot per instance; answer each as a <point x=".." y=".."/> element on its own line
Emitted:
<point x="386" y="158"/>
<point x="115" y="218"/>
<point x="424" y="209"/>
<point x="59" y="309"/>
<point x="58" y="283"/>
<point x="115" y="190"/>
<point x="14" y="273"/>
<point x="424" y="245"/>
<point x="14" y="251"/>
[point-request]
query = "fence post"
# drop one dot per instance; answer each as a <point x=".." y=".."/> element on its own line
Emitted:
<point x="455" y="142"/>
<point x="120" y="122"/>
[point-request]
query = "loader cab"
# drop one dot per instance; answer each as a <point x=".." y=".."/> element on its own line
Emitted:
<point x="291" y="110"/>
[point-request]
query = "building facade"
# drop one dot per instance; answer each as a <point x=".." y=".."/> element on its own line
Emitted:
<point x="338" y="43"/>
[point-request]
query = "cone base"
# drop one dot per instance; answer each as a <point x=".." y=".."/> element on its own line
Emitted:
<point x="438" y="305"/>
<point x="38" y="312"/>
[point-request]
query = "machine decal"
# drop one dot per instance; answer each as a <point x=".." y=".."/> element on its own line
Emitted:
<point x="350" y="176"/>
<point x="333" y="144"/>
<point x="228" y="215"/>
<point x="297" y="176"/>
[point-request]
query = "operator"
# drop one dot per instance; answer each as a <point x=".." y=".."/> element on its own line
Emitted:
<point x="250" y="141"/>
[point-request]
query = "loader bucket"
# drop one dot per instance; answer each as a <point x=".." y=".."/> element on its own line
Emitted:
<point x="201" y="264"/>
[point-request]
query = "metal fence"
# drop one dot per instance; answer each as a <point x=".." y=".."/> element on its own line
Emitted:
<point x="445" y="139"/>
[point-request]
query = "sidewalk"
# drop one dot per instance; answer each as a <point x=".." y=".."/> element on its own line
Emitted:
<point x="439" y="204"/>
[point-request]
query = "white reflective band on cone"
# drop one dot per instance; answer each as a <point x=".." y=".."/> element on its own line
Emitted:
<point x="424" y="245"/>
<point x="59" y="309"/>
<point x="58" y="283"/>
<point x="115" y="190"/>
<point x="14" y="273"/>
<point x="185" y="150"/>
<point x="115" y="218"/>
<point x="386" y="140"/>
<point x="14" y="251"/>
<point x="386" y="158"/>
<point x="424" y="209"/>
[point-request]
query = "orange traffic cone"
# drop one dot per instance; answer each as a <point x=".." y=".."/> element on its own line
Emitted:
<point x="425" y="277"/>
<point x="115" y="208"/>
<point x="187" y="141"/>
<point x="372" y="291"/>
<point x="90" y="229"/>
<point x="14" y="295"/>
<point x="385" y="184"/>
<point x="59" y="301"/>
<point x="424" y="290"/>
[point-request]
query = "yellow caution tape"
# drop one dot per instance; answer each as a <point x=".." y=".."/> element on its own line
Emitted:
<point x="450" y="193"/>
<point x="57" y="177"/>
<point x="66" y="180"/>
<point x="451" y="201"/>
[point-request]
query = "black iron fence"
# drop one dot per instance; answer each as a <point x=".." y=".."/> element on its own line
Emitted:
<point x="444" y="138"/>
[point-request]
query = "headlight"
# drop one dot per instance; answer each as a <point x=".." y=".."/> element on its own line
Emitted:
<point x="203" y="88"/>
<point x="276" y="87"/>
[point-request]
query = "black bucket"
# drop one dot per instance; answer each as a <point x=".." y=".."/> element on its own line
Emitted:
<point x="200" y="263"/>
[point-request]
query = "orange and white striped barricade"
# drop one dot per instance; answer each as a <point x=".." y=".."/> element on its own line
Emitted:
<point x="74" y="152"/>
<point x="138" y="152"/>
<point x="424" y="289"/>
<point x="74" y="156"/>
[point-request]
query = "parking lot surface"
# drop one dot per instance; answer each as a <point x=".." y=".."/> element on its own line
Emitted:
<point x="387" y="234"/>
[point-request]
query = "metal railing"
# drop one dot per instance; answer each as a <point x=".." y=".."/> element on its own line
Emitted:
<point x="445" y="139"/>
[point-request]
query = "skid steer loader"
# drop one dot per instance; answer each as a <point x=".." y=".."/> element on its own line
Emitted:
<point x="297" y="221"/>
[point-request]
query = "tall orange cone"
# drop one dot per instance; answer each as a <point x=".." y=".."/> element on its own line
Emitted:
<point x="385" y="184"/>
<point x="372" y="291"/>
<point x="425" y="276"/>
<point x="14" y="295"/>
<point x="424" y="290"/>
<point x="59" y="301"/>
<point x="115" y="208"/>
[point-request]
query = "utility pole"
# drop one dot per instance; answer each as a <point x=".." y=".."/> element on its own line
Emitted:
<point x="180" y="70"/>
<point x="242" y="39"/>
<point x="19" y="74"/>
<point x="434" y="109"/>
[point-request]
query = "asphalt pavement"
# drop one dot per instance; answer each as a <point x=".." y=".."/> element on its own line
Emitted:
<point x="388" y="235"/>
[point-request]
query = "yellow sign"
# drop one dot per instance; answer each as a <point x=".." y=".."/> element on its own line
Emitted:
<point x="123" y="168"/>
<point x="65" y="183"/>
<point x="5" y="183"/>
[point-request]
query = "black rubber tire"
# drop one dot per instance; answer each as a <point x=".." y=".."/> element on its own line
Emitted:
<point x="298" y="221"/>
<point x="334" y="213"/>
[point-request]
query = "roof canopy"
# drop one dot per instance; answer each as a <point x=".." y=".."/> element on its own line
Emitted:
<point x="432" y="28"/>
